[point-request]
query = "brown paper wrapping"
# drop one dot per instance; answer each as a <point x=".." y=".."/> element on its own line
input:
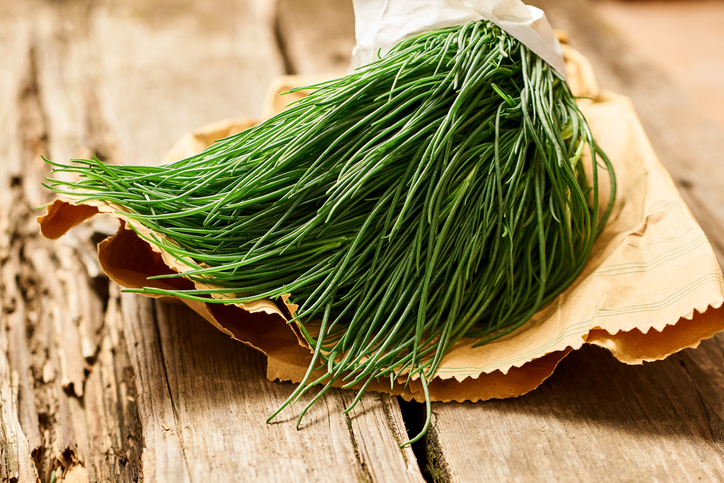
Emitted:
<point x="652" y="286"/>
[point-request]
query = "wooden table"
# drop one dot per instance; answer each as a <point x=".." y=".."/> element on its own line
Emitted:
<point x="96" y="385"/>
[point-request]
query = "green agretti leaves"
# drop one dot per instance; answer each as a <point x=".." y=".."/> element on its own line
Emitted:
<point x="436" y="194"/>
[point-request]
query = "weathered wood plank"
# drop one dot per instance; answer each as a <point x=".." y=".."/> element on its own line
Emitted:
<point x="594" y="419"/>
<point x="115" y="439"/>
<point x="16" y="464"/>
<point x="163" y="458"/>
<point x="71" y="404"/>
<point x="72" y="423"/>
<point x="597" y="419"/>
<point x="204" y="400"/>
<point x="18" y="434"/>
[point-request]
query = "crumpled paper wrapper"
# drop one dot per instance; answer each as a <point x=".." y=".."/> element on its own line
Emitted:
<point x="652" y="286"/>
<point x="382" y="24"/>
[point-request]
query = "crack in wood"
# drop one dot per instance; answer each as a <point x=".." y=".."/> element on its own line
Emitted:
<point x="281" y="44"/>
<point x="177" y="419"/>
<point x="436" y="468"/>
<point x="393" y="427"/>
<point x="18" y="300"/>
<point x="32" y="122"/>
<point x="317" y="35"/>
<point x="692" y="370"/>
<point x="716" y="424"/>
<point x="428" y="453"/>
<point x="126" y="395"/>
<point x="364" y="472"/>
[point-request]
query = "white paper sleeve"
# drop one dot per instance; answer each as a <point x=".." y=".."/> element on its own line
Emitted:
<point x="380" y="24"/>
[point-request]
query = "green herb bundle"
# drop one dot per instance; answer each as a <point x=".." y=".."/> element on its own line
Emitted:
<point x="438" y="193"/>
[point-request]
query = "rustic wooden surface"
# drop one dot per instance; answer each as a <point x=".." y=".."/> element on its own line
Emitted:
<point x="96" y="385"/>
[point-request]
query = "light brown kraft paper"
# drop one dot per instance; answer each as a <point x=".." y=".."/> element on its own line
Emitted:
<point x="651" y="287"/>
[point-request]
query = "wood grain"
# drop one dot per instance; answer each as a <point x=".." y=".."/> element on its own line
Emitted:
<point x="16" y="428"/>
<point x="594" y="419"/>
<point x="67" y="372"/>
<point x="204" y="401"/>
